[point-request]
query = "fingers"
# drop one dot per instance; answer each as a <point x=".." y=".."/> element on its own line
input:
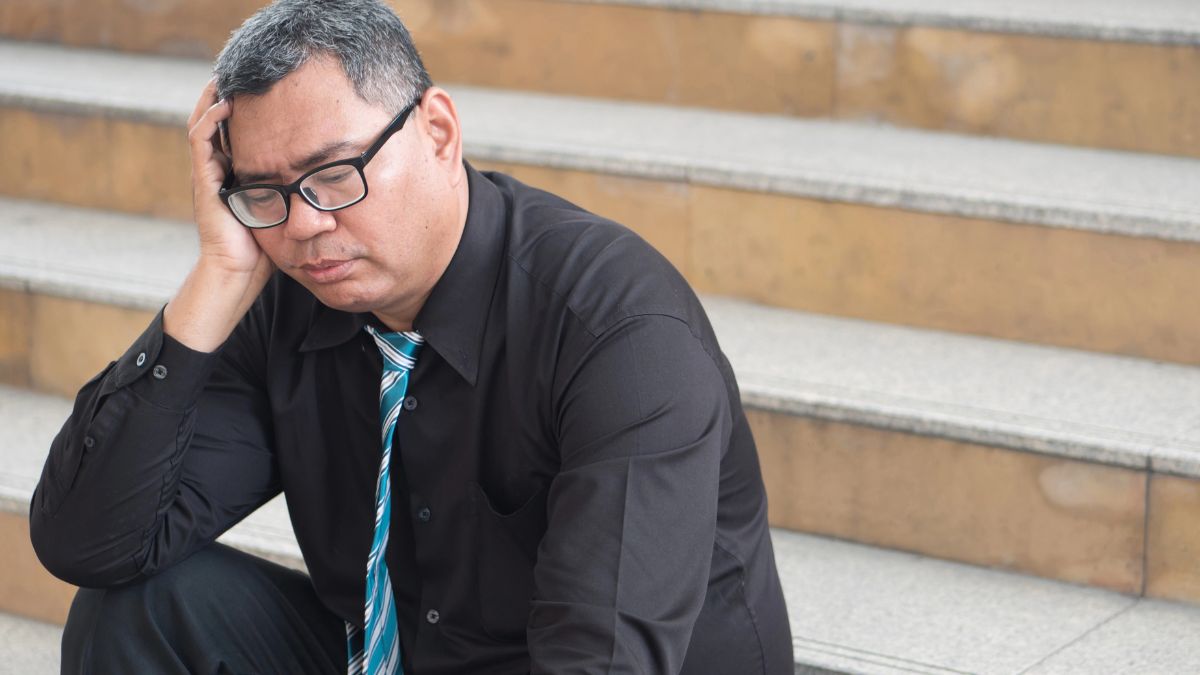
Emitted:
<point x="207" y="98"/>
<point x="208" y="161"/>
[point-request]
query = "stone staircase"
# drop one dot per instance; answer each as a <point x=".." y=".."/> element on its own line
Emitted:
<point x="947" y="246"/>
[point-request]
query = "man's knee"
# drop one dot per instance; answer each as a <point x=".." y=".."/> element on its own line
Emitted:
<point x="111" y="623"/>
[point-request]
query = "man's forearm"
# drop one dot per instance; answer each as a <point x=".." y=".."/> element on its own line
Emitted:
<point x="114" y="466"/>
<point x="210" y="303"/>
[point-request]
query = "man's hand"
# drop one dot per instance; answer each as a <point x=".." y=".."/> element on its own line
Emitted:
<point x="232" y="269"/>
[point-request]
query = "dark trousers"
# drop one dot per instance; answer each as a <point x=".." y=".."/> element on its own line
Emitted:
<point x="219" y="611"/>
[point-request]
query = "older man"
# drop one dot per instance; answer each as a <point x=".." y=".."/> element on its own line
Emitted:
<point x="508" y="438"/>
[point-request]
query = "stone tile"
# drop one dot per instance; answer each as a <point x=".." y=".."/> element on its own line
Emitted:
<point x="58" y="364"/>
<point x="29" y="646"/>
<point x="71" y="159"/>
<point x="1107" y="94"/>
<point x="15" y="337"/>
<point x="1173" y="539"/>
<point x="184" y="29"/>
<point x="858" y="609"/>
<point x="766" y="63"/>
<point x="1151" y="637"/>
<point x="26" y="588"/>
<point x="31" y="20"/>
<point x="1055" y="518"/>
<point x="657" y="210"/>
<point x="152" y="174"/>
<point x="1070" y="288"/>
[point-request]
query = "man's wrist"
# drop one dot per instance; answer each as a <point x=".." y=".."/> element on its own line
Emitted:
<point x="209" y="305"/>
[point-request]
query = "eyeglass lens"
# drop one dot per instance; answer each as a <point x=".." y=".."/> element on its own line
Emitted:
<point x="329" y="189"/>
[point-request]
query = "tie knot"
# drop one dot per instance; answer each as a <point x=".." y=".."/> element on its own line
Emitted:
<point x="399" y="350"/>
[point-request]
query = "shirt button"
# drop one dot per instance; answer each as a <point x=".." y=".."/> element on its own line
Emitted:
<point x="141" y="359"/>
<point x="89" y="442"/>
<point x="410" y="403"/>
<point x="424" y="514"/>
<point x="432" y="616"/>
<point x="160" y="372"/>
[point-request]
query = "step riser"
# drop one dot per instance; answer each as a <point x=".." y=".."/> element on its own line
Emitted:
<point x="26" y="588"/>
<point x="1103" y="94"/>
<point x="39" y="345"/>
<point x="1057" y="518"/>
<point x="1035" y="284"/>
<point x="96" y="162"/>
<point x="1051" y="517"/>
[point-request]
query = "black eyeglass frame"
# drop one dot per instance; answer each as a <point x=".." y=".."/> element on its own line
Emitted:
<point x="286" y="191"/>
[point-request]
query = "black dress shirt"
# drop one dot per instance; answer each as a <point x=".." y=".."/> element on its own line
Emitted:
<point x="575" y="486"/>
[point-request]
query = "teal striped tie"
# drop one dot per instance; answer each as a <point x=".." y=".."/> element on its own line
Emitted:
<point x="375" y="650"/>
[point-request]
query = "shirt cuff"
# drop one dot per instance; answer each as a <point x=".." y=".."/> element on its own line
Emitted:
<point x="164" y="371"/>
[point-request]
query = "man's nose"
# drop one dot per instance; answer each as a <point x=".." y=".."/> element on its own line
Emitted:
<point x="305" y="222"/>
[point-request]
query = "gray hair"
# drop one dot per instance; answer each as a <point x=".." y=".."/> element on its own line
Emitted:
<point x="372" y="44"/>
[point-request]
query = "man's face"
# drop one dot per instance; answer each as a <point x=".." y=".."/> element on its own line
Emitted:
<point x="379" y="254"/>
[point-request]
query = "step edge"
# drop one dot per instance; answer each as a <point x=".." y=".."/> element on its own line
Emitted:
<point x="777" y="395"/>
<point x="967" y="20"/>
<point x="1070" y="440"/>
<point x="1046" y="211"/>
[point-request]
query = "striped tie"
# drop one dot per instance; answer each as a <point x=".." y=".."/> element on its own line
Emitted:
<point x="375" y="650"/>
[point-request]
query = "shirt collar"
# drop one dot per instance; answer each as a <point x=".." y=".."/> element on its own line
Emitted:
<point x="454" y="317"/>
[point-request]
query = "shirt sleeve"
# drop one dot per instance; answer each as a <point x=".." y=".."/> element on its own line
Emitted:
<point x="623" y="568"/>
<point x="164" y="450"/>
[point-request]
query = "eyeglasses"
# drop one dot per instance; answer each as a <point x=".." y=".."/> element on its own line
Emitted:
<point x="328" y="187"/>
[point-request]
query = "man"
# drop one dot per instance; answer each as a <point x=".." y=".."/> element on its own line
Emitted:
<point x="507" y="436"/>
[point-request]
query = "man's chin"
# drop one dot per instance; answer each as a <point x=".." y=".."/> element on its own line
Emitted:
<point x="344" y="296"/>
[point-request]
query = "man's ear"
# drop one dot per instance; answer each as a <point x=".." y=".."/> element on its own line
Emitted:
<point x="443" y="129"/>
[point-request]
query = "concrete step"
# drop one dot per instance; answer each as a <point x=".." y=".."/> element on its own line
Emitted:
<point x="1101" y="73"/>
<point x="28" y="647"/>
<point x="1078" y="248"/>
<point x="858" y="609"/>
<point x="1070" y="465"/>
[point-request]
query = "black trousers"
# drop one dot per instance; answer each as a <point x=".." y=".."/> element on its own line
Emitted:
<point x="219" y="611"/>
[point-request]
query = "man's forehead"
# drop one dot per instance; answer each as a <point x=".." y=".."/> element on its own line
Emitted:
<point x="269" y="141"/>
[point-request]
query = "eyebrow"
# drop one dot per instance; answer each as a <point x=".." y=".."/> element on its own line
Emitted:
<point x="321" y="156"/>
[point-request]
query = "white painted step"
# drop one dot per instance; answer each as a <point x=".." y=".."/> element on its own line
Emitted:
<point x="1108" y="409"/>
<point x="1049" y="185"/>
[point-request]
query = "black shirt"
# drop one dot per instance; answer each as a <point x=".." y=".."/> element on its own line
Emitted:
<point x="575" y="486"/>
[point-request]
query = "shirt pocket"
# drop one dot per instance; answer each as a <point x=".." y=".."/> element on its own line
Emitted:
<point x="506" y="553"/>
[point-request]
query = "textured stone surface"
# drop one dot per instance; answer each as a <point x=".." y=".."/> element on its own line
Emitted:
<point x="1059" y="519"/>
<point x="91" y="160"/>
<point x="29" y="647"/>
<point x="857" y="609"/>
<point x="15" y="338"/>
<point x="1160" y="21"/>
<point x="1151" y="637"/>
<point x="1100" y="94"/>
<point x="1173" y="539"/>
<point x="1071" y="288"/>
<point x="765" y="64"/>
<point x="1141" y="195"/>
<point x="1110" y="410"/>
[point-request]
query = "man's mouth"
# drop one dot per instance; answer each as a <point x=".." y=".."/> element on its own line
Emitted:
<point x="328" y="271"/>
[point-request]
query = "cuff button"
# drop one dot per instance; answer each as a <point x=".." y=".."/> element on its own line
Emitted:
<point x="160" y="372"/>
